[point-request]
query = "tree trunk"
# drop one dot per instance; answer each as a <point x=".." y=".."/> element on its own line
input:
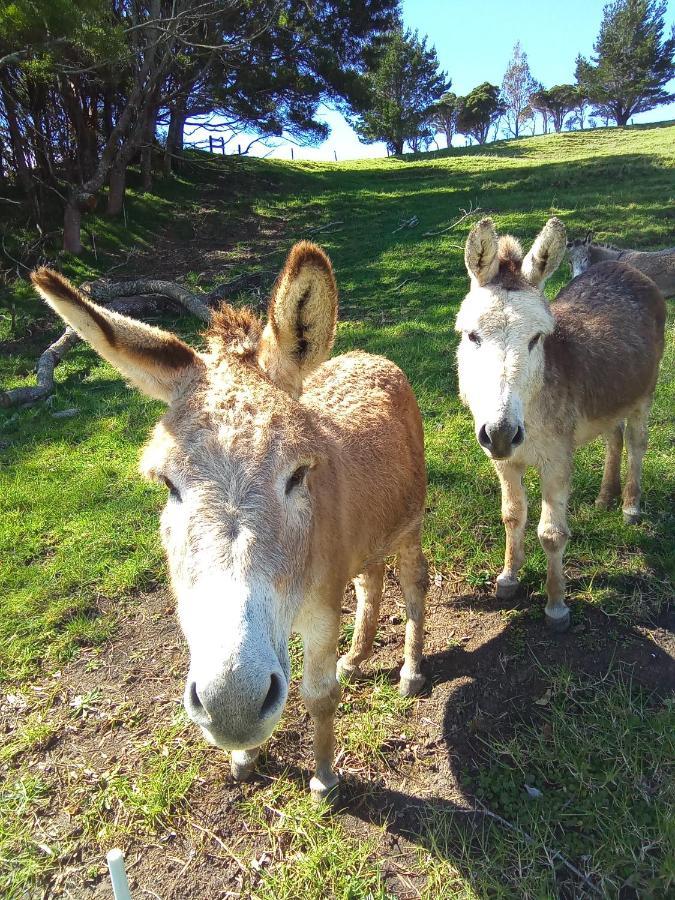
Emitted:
<point x="72" y="220"/>
<point x="174" y="136"/>
<point x="117" y="188"/>
<point x="146" y="150"/>
<point x="107" y="111"/>
<point x="17" y="142"/>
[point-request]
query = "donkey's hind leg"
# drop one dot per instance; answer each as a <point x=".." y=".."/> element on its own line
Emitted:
<point x="414" y="578"/>
<point x="610" y="489"/>
<point x="368" y="588"/>
<point x="636" y="444"/>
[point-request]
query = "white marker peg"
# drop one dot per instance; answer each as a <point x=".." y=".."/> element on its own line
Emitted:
<point x="118" y="875"/>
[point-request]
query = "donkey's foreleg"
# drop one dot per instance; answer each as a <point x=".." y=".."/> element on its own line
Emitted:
<point x="610" y="488"/>
<point x="636" y="445"/>
<point x="368" y="588"/>
<point x="553" y="535"/>
<point x="414" y="578"/>
<point x="321" y="694"/>
<point x="514" y="517"/>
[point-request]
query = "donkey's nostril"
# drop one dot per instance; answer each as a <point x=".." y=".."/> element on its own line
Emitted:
<point x="273" y="697"/>
<point x="193" y="697"/>
<point x="194" y="706"/>
<point x="483" y="438"/>
<point x="518" y="437"/>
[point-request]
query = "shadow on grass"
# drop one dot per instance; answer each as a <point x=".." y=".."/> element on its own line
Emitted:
<point x="495" y="693"/>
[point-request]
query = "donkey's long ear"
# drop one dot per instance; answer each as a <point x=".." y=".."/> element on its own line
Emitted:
<point x="152" y="359"/>
<point x="302" y="318"/>
<point x="546" y="253"/>
<point x="481" y="252"/>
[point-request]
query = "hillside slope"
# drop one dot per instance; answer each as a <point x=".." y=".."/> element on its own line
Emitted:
<point x="81" y="563"/>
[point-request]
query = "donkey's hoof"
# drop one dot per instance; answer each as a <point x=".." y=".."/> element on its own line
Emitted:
<point x="603" y="502"/>
<point x="325" y="790"/>
<point x="507" y="587"/>
<point x="631" y="516"/>
<point x="558" y="624"/>
<point x="411" y="685"/>
<point x="347" y="673"/>
<point x="242" y="764"/>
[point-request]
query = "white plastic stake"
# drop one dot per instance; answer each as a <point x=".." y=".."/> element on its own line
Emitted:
<point x="118" y="875"/>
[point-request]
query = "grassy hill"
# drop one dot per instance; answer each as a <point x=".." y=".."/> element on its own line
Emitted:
<point x="79" y="553"/>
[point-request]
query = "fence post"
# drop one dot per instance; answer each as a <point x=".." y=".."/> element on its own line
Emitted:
<point x="222" y="144"/>
<point x="210" y="143"/>
<point x="335" y="152"/>
<point x="292" y="157"/>
<point x="239" y="149"/>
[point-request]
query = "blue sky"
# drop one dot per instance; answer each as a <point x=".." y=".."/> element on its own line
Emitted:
<point x="474" y="41"/>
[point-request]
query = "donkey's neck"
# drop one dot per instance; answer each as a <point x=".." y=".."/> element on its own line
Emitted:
<point x="600" y="253"/>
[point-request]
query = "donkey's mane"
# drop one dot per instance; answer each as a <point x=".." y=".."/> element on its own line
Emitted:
<point x="580" y="242"/>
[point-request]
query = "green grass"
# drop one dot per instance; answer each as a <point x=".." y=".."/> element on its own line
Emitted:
<point x="311" y="854"/>
<point x="79" y="534"/>
<point x="603" y="764"/>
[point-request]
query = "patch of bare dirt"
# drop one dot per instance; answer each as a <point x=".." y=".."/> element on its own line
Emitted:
<point x="484" y="663"/>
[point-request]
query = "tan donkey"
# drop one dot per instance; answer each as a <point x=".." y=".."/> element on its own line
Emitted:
<point x="544" y="378"/>
<point x="287" y="476"/>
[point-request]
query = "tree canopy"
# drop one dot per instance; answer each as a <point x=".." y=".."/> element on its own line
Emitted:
<point x="443" y="116"/>
<point x="558" y="102"/>
<point x="480" y="110"/>
<point x="86" y="84"/>
<point x="402" y="88"/>
<point x="517" y="88"/>
<point x="632" y="63"/>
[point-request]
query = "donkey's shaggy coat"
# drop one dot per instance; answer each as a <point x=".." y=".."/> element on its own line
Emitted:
<point x="288" y="476"/>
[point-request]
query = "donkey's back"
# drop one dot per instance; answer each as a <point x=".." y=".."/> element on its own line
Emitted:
<point x="658" y="265"/>
<point x="608" y="338"/>
<point x="369" y="414"/>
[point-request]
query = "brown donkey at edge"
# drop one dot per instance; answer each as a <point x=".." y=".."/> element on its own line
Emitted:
<point x="544" y="378"/>
<point x="287" y="476"/>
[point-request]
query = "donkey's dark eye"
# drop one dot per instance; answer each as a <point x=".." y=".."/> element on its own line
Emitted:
<point x="174" y="493"/>
<point x="533" y="342"/>
<point x="296" y="478"/>
<point x="473" y="337"/>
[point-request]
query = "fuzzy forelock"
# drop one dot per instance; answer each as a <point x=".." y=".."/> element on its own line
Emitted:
<point x="510" y="250"/>
<point x="235" y="331"/>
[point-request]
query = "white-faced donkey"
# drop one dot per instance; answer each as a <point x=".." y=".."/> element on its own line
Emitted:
<point x="544" y="378"/>
<point x="287" y="476"/>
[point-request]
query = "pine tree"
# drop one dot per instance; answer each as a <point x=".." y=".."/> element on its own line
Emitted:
<point x="632" y="63"/>
<point x="403" y="86"/>
<point x="517" y="88"/>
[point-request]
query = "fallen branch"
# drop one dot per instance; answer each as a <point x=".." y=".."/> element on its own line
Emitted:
<point x="102" y="292"/>
<point x="468" y="214"/>
<point x="48" y="361"/>
<point x="325" y="227"/>
<point x="409" y="223"/>
<point x="134" y="298"/>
